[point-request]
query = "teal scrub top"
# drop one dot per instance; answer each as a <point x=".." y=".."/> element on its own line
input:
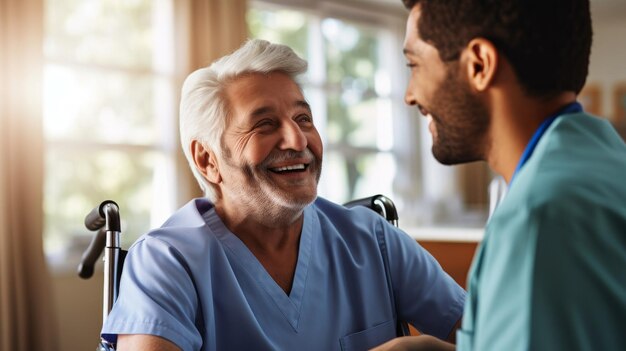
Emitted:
<point x="550" y="273"/>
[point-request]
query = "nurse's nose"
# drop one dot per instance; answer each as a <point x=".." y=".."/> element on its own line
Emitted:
<point x="293" y="137"/>
<point x="409" y="99"/>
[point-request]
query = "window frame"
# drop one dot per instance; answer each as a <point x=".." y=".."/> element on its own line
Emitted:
<point x="407" y="192"/>
<point x="164" y="82"/>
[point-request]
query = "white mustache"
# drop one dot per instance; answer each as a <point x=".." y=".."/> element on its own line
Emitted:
<point x="282" y="156"/>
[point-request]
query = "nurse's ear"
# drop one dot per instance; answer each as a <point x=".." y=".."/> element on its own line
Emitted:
<point x="206" y="162"/>
<point x="480" y="60"/>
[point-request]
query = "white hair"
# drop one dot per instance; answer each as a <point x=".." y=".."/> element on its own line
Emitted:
<point x="204" y="107"/>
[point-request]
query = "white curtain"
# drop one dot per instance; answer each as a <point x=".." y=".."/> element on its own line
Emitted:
<point x="27" y="320"/>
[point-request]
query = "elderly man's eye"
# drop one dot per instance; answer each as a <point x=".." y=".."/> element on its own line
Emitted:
<point x="304" y="119"/>
<point x="266" y="123"/>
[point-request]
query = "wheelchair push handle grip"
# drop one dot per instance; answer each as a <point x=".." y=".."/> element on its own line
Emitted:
<point x="107" y="213"/>
<point x="391" y="213"/>
<point x="91" y="255"/>
<point x="104" y="218"/>
<point x="93" y="221"/>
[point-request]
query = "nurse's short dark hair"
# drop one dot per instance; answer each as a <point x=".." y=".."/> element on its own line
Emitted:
<point x="548" y="42"/>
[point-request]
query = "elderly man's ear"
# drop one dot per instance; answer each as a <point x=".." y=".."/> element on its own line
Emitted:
<point x="206" y="162"/>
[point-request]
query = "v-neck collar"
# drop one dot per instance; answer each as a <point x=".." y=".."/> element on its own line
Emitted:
<point x="290" y="305"/>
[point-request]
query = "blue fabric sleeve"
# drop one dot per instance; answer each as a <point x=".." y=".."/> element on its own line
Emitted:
<point x="157" y="297"/>
<point x="426" y="296"/>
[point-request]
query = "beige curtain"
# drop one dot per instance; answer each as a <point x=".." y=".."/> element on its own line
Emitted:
<point x="27" y="321"/>
<point x="208" y="29"/>
<point x="218" y="27"/>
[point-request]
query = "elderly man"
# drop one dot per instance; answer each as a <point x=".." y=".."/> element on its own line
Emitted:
<point x="498" y="81"/>
<point x="262" y="263"/>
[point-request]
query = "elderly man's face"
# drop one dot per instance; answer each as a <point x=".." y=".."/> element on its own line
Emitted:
<point x="272" y="152"/>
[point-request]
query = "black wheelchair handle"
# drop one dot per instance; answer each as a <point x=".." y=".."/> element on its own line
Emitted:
<point x="105" y="218"/>
<point x="378" y="203"/>
<point x="390" y="208"/>
<point x="103" y="215"/>
<point x="91" y="255"/>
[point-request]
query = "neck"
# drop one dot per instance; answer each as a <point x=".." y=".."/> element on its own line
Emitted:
<point x="263" y="227"/>
<point x="514" y="121"/>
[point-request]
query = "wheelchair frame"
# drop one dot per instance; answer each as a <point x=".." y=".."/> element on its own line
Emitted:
<point x="104" y="218"/>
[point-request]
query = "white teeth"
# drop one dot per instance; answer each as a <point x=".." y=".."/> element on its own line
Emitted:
<point x="289" y="168"/>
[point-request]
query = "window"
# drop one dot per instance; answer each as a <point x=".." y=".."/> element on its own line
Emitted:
<point x="348" y="85"/>
<point x="110" y="111"/>
<point x="355" y="85"/>
<point x="109" y="116"/>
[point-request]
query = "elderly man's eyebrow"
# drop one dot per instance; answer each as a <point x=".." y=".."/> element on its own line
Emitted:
<point x="263" y="110"/>
<point x="302" y="103"/>
<point x="260" y="111"/>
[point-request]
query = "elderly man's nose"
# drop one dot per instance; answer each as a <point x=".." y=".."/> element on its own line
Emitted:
<point x="293" y="137"/>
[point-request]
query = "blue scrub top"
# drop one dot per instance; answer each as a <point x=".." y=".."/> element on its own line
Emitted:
<point x="196" y="284"/>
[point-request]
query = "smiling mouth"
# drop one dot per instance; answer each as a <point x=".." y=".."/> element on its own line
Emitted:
<point x="301" y="167"/>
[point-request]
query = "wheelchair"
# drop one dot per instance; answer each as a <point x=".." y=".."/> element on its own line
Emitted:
<point x="105" y="220"/>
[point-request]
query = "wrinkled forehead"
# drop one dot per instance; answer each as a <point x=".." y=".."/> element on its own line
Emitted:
<point x="250" y="94"/>
<point x="263" y="85"/>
